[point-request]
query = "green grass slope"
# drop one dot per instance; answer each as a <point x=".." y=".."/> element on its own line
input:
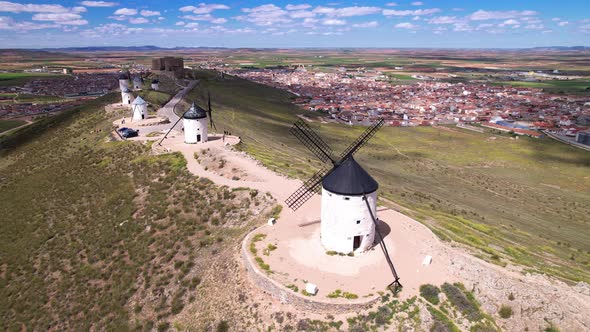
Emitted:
<point x="525" y="201"/>
<point x="98" y="235"/>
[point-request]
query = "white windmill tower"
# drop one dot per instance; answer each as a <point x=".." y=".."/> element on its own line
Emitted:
<point x="123" y="81"/>
<point x="347" y="225"/>
<point x="139" y="108"/>
<point x="126" y="96"/>
<point x="137" y="83"/>
<point x="349" y="196"/>
<point x="155" y="84"/>
<point x="195" y="125"/>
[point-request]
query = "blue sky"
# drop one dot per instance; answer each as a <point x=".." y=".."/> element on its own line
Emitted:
<point x="434" y="23"/>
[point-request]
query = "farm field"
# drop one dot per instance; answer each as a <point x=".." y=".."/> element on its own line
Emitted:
<point x="9" y="124"/>
<point x="16" y="79"/>
<point x="522" y="201"/>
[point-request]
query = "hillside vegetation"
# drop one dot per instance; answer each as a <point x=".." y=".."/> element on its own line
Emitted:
<point x="524" y="201"/>
<point x="99" y="235"/>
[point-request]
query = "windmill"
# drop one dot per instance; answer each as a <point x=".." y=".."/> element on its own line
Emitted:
<point x="194" y="123"/>
<point x="349" y="196"/>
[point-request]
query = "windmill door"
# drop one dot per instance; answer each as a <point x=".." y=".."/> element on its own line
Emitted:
<point x="198" y="138"/>
<point x="356" y="243"/>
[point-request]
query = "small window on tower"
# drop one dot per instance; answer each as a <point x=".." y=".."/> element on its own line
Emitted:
<point x="358" y="222"/>
<point x="346" y="198"/>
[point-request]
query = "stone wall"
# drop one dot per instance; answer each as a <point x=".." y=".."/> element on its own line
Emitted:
<point x="288" y="296"/>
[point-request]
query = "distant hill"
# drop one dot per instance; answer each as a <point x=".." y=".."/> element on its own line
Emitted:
<point x="124" y="48"/>
<point x="560" y="48"/>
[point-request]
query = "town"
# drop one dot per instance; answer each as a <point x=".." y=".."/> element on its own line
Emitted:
<point x="360" y="96"/>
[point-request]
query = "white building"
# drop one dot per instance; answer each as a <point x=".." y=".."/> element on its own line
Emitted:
<point x="126" y="96"/>
<point x="137" y="83"/>
<point x="195" y="125"/>
<point x="123" y="81"/>
<point x="139" y="107"/>
<point x="346" y="224"/>
<point x="155" y="84"/>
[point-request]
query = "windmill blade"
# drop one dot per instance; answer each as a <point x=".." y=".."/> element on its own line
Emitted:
<point x="306" y="191"/>
<point x="209" y="111"/>
<point x="312" y="140"/>
<point x="174" y="125"/>
<point x="361" y="140"/>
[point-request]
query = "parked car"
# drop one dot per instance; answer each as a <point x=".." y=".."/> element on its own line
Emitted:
<point x="127" y="132"/>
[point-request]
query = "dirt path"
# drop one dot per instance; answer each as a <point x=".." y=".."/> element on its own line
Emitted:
<point x="537" y="300"/>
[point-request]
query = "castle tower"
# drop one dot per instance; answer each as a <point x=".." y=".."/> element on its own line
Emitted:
<point x="195" y="125"/>
<point x="346" y="223"/>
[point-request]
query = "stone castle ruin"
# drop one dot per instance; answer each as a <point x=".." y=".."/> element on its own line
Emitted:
<point x="169" y="64"/>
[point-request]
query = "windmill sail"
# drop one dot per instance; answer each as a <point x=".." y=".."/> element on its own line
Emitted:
<point x="306" y="191"/>
<point x="209" y="111"/>
<point x="361" y="140"/>
<point x="312" y="141"/>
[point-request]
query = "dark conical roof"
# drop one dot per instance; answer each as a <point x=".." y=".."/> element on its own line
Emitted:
<point x="195" y="112"/>
<point x="123" y="76"/>
<point x="155" y="81"/>
<point x="350" y="179"/>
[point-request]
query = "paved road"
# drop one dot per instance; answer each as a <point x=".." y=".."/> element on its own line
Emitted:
<point x="168" y="112"/>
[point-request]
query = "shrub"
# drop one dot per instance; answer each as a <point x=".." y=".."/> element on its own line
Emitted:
<point x="223" y="326"/>
<point x="511" y="297"/>
<point x="505" y="311"/>
<point x="293" y="288"/>
<point x="269" y="248"/>
<point x="331" y="253"/>
<point x="430" y="293"/>
<point x="465" y="303"/>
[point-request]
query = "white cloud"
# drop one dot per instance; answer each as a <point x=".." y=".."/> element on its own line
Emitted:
<point x="148" y="13"/>
<point x="371" y="24"/>
<point x="556" y="19"/>
<point x="265" y="15"/>
<point x="406" y="25"/>
<point x="301" y="14"/>
<point x="563" y="23"/>
<point x="482" y="15"/>
<point x="138" y="20"/>
<point x="418" y="12"/>
<point x="462" y="27"/>
<point x="191" y="25"/>
<point x="391" y="4"/>
<point x="297" y="7"/>
<point x="180" y="23"/>
<point x="8" y="23"/>
<point x="511" y="22"/>
<point x="417" y="3"/>
<point x="219" y="21"/>
<point x="534" y="26"/>
<point x="126" y="11"/>
<point x="13" y="7"/>
<point x="204" y="8"/>
<point x="61" y="18"/>
<point x="443" y="20"/>
<point x="346" y="11"/>
<point x="98" y="4"/>
<point x="333" y="21"/>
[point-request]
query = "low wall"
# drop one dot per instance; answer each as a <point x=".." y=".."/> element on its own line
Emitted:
<point x="288" y="296"/>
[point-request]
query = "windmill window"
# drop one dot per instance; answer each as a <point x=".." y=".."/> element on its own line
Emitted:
<point x="358" y="222"/>
<point x="346" y="198"/>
